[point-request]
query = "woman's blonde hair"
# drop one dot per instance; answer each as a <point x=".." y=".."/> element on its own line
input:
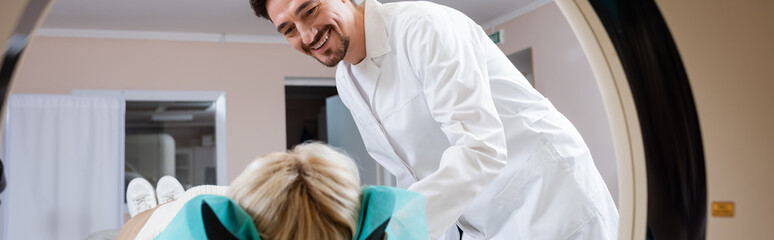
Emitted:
<point x="311" y="192"/>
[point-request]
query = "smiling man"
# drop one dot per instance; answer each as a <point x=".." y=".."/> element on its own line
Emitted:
<point x="319" y="29"/>
<point x="442" y="108"/>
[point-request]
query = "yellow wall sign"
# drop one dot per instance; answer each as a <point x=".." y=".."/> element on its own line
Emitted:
<point x="722" y="209"/>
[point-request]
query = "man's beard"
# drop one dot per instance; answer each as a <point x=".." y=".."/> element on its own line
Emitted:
<point x="337" y="56"/>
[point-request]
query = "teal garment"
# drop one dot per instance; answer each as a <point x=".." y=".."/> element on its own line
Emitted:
<point x="401" y="213"/>
<point x="215" y="216"/>
<point x="398" y="213"/>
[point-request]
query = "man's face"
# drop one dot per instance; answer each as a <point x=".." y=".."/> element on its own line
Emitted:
<point x="316" y="27"/>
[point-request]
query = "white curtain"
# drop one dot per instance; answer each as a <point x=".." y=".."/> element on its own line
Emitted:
<point x="64" y="159"/>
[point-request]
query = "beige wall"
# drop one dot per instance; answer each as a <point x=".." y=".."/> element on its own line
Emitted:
<point x="727" y="48"/>
<point x="251" y="75"/>
<point x="563" y="74"/>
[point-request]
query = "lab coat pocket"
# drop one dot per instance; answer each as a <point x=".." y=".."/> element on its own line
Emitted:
<point x="543" y="199"/>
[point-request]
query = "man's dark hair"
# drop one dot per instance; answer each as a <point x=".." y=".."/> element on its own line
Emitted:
<point x="259" y="6"/>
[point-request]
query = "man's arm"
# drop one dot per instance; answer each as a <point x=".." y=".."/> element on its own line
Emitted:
<point x="453" y="70"/>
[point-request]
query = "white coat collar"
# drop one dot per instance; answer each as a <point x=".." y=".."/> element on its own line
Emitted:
<point x="377" y="43"/>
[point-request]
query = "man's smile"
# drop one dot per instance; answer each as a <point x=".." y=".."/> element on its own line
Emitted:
<point x="322" y="41"/>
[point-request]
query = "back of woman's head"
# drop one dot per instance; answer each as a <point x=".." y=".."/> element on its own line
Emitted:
<point x="311" y="192"/>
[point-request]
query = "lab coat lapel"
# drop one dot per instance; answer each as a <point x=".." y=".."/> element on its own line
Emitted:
<point x="374" y="137"/>
<point x="377" y="42"/>
<point x="377" y="143"/>
<point x="349" y="95"/>
<point x="377" y="45"/>
<point x="372" y="74"/>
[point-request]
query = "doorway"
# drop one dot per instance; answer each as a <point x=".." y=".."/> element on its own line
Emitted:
<point x="314" y="112"/>
<point x="174" y="138"/>
<point x="305" y="113"/>
<point x="174" y="127"/>
<point x="522" y="60"/>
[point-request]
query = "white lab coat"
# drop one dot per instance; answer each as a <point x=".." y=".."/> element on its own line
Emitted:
<point x="442" y="108"/>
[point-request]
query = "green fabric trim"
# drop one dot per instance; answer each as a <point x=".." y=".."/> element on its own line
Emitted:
<point x="188" y="223"/>
<point x="404" y="212"/>
<point x="404" y="209"/>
